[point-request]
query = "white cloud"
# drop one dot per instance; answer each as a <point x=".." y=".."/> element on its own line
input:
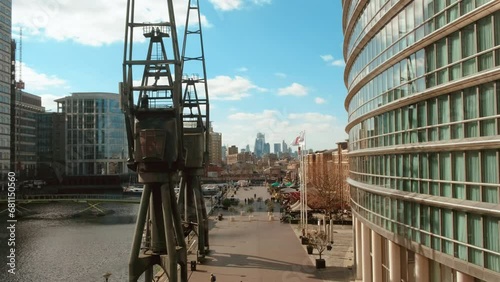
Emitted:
<point x="91" y="22"/>
<point x="280" y="75"/>
<point x="319" y="100"/>
<point x="262" y="2"/>
<point x="39" y="81"/>
<point x="227" y="5"/>
<point x="326" y="58"/>
<point x="230" y="5"/>
<point x="322" y="131"/>
<point x="338" y="63"/>
<point x="242" y="69"/>
<point x="295" y="89"/>
<point x="331" y="60"/>
<point x="226" y="88"/>
<point x="48" y="102"/>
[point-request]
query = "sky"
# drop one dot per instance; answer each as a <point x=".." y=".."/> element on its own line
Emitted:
<point x="272" y="66"/>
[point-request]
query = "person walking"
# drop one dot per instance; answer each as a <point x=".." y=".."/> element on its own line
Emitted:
<point x="212" y="277"/>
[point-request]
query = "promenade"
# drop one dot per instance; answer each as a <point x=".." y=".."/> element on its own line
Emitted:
<point x="256" y="249"/>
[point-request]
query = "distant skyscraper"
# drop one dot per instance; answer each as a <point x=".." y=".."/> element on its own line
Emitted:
<point x="267" y="148"/>
<point x="277" y="149"/>
<point x="285" y="147"/>
<point x="247" y="148"/>
<point x="224" y="153"/>
<point x="259" y="145"/>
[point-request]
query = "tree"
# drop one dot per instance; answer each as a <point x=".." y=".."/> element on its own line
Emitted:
<point x="324" y="193"/>
<point x="319" y="241"/>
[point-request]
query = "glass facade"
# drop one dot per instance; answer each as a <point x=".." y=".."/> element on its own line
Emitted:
<point x="96" y="141"/>
<point x="5" y="96"/>
<point x="424" y="126"/>
<point x="28" y="106"/>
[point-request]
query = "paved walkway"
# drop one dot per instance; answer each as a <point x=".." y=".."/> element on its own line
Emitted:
<point x="256" y="249"/>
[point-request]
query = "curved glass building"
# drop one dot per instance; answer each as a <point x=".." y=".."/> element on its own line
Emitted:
<point x="96" y="140"/>
<point x="423" y="80"/>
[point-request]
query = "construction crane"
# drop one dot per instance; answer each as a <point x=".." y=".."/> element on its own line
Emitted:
<point x="155" y="147"/>
<point x="195" y="117"/>
<point x="166" y="134"/>
<point x="20" y="83"/>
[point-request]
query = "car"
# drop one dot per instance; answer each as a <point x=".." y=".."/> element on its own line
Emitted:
<point x="137" y="188"/>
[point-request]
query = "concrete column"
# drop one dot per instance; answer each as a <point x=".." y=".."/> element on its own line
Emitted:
<point x="365" y="256"/>
<point x="376" y="256"/>
<point x="462" y="277"/>
<point x="421" y="268"/>
<point x="357" y="234"/>
<point x="394" y="262"/>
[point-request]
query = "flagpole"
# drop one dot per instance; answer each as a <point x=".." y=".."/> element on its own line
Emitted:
<point x="301" y="189"/>
<point x="305" y="183"/>
<point x="299" y="141"/>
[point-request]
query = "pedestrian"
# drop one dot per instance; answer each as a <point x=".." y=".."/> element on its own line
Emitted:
<point x="212" y="277"/>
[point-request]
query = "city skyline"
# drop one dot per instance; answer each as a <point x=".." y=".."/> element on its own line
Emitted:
<point x="253" y="87"/>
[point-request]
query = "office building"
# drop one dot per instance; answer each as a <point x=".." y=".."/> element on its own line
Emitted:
<point x="51" y="145"/>
<point x="224" y="154"/>
<point x="28" y="106"/>
<point x="423" y="81"/>
<point x="277" y="149"/>
<point x="260" y="141"/>
<point x="215" y="147"/>
<point x="96" y="138"/>
<point x="6" y="58"/>
<point x="232" y="150"/>
<point x="285" y="147"/>
<point x="267" y="148"/>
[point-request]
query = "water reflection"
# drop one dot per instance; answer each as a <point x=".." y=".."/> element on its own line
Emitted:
<point x="53" y="245"/>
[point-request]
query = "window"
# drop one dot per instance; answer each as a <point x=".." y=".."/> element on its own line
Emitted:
<point x="491" y="242"/>
<point x="490" y="174"/>
<point x="470" y="112"/>
<point x="486" y="109"/>
<point x="456" y="115"/>
<point x="472" y="175"/>
<point x="485" y="42"/>
<point x="475" y="237"/>
<point x="468" y="49"/>
<point x="460" y="235"/>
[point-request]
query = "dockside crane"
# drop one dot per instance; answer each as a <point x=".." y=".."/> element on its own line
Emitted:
<point x="195" y="117"/>
<point x="154" y="122"/>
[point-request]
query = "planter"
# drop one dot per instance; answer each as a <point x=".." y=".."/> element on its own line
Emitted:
<point x="320" y="263"/>
<point x="309" y="249"/>
<point x="305" y="240"/>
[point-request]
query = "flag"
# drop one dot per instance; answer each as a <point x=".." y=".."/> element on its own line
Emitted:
<point x="299" y="139"/>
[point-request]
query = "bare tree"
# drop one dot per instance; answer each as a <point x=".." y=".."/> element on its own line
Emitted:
<point x="324" y="193"/>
